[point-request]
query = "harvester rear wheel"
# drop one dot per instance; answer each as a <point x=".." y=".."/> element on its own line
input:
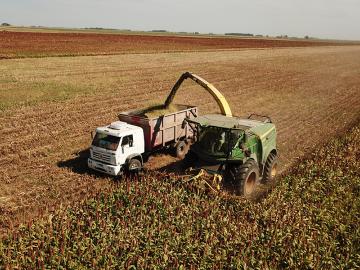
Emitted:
<point x="270" y="169"/>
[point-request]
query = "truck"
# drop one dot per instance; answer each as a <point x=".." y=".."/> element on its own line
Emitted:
<point x="125" y="145"/>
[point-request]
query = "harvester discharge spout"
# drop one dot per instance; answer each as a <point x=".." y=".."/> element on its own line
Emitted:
<point x="216" y="94"/>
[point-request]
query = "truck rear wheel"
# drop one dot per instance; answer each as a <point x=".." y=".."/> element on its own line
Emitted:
<point x="245" y="177"/>
<point x="181" y="149"/>
<point x="270" y="169"/>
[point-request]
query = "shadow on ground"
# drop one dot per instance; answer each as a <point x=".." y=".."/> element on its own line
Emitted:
<point x="173" y="167"/>
<point x="78" y="164"/>
<point x="227" y="189"/>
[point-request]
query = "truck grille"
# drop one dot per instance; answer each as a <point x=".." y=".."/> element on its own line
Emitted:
<point x="102" y="156"/>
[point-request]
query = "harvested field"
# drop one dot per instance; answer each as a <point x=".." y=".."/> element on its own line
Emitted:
<point x="310" y="93"/>
<point x="37" y="44"/>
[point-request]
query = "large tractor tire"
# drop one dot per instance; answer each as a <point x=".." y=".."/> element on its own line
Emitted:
<point x="245" y="177"/>
<point x="270" y="169"/>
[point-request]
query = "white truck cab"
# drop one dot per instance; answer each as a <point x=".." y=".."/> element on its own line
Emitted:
<point x="117" y="147"/>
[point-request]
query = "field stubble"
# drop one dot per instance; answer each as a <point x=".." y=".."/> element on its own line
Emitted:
<point x="310" y="93"/>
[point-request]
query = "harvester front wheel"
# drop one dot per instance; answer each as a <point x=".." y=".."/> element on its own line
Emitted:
<point x="270" y="169"/>
<point x="245" y="177"/>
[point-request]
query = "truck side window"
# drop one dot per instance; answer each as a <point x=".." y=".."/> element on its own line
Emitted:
<point x="127" y="140"/>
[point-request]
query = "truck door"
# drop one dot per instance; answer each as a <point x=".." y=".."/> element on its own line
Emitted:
<point x="127" y="147"/>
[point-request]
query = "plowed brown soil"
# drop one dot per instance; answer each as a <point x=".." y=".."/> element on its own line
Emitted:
<point x="37" y="44"/>
<point x="310" y="93"/>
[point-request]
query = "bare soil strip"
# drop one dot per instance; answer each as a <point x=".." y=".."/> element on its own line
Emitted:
<point x="311" y="94"/>
<point x="38" y="44"/>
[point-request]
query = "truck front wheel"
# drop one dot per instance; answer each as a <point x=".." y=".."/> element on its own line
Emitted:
<point x="134" y="165"/>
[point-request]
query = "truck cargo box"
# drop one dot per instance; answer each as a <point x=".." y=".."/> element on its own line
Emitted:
<point x="161" y="127"/>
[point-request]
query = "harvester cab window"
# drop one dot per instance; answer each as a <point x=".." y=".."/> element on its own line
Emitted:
<point x="235" y="135"/>
<point x="213" y="140"/>
<point x="127" y="141"/>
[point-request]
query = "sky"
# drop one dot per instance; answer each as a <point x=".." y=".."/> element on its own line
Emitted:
<point x="333" y="19"/>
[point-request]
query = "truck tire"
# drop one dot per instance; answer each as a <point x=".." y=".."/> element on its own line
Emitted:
<point x="270" y="169"/>
<point x="181" y="149"/>
<point x="134" y="166"/>
<point x="245" y="177"/>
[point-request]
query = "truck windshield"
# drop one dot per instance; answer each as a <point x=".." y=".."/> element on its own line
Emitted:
<point x="218" y="141"/>
<point x="105" y="141"/>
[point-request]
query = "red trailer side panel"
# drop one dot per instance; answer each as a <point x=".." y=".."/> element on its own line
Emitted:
<point x="164" y="129"/>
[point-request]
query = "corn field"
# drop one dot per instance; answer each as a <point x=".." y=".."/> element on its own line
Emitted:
<point x="310" y="220"/>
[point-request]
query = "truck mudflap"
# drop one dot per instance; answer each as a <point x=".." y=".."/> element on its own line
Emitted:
<point x="105" y="168"/>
